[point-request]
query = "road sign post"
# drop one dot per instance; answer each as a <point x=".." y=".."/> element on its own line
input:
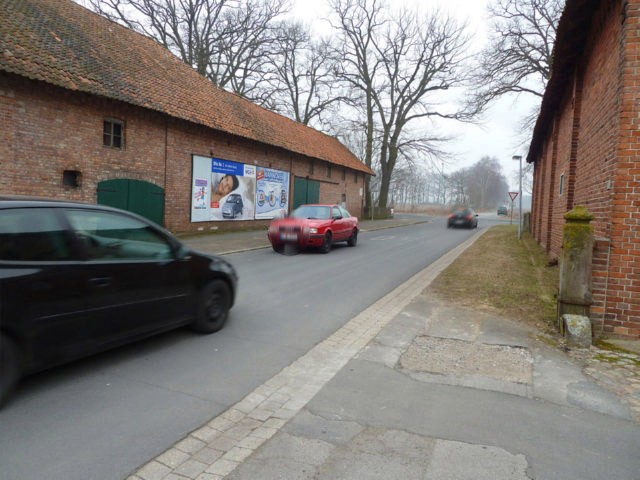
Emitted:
<point x="513" y="196"/>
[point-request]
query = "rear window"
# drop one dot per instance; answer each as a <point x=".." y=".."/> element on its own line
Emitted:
<point x="33" y="235"/>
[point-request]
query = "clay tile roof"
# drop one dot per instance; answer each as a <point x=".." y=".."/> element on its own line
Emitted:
<point x="64" y="44"/>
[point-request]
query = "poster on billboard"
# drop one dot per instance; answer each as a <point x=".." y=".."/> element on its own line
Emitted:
<point x="272" y="199"/>
<point x="222" y="190"/>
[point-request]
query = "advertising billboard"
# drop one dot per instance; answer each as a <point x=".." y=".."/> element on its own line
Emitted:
<point x="272" y="197"/>
<point x="222" y="190"/>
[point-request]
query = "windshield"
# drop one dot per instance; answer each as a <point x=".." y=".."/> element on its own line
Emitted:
<point x="312" y="211"/>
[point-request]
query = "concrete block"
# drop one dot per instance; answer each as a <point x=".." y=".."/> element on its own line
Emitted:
<point x="577" y="330"/>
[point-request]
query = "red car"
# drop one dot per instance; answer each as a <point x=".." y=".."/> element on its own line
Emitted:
<point x="314" y="226"/>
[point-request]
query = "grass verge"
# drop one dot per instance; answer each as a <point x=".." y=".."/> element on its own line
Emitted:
<point x="502" y="274"/>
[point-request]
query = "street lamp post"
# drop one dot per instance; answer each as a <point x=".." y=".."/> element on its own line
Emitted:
<point x="519" y="159"/>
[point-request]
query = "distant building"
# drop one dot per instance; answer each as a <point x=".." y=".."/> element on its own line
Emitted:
<point x="585" y="150"/>
<point x="95" y="112"/>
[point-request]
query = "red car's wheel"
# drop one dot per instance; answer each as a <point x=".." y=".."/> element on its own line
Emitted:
<point x="353" y="239"/>
<point x="326" y="244"/>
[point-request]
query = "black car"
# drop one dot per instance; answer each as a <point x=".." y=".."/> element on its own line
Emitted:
<point x="77" y="279"/>
<point x="502" y="210"/>
<point x="463" y="217"/>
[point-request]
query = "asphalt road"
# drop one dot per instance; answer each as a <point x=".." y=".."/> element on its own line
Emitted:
<point x="100" y="418"/>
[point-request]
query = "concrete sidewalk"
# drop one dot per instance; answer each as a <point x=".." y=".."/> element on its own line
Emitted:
<point x="414" y="388"/>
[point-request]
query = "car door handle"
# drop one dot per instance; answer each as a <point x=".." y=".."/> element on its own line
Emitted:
<point x="100" y="281"/>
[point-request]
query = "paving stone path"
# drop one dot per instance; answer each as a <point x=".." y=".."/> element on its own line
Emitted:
<point x="617" y="372"/>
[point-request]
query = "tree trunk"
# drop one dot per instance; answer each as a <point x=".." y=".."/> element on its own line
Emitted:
<point x="368" y="150"/>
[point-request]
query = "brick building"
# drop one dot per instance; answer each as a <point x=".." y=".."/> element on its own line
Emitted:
<point x="586" y="150"/>
<point x="95" y="112"/>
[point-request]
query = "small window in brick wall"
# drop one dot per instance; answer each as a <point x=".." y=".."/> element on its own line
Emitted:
<point x="355" y="178"/>
<point x="561" y="184"/>
<point x="113" y="133"/>
<point x="328" y="170"/>
<point x="71" y="178"/>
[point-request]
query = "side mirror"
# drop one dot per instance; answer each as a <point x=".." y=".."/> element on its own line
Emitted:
<point x="182" y="253"/>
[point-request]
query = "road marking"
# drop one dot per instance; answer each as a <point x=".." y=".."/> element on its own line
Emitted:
<point x="384" y="237"/>
<point x="217" y="448"/>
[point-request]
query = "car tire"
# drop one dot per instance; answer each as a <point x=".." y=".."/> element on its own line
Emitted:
<point x="277" y="248"/>
<point x="353" y="239"/>
<point x="9" y="368"/>
<point x="326" y="244"/>
<point x="213" y="307"/>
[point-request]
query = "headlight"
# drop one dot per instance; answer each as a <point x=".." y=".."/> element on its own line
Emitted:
<point x="313" y="230"/>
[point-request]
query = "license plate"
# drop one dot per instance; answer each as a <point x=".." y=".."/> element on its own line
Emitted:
<point x="288" y="237"/>
<point x="458" y="222"/>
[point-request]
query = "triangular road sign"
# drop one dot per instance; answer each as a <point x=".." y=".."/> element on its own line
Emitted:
<point x="513" y="195"/>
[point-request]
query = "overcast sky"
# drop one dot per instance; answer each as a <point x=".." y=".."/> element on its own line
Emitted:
<point x="496" y="136"/>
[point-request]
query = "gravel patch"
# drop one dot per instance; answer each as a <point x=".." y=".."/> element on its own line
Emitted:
<point x="457" y="357"/>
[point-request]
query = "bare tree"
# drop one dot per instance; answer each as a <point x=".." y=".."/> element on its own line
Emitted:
<point x="402" y="65"/>
<point x="303" y="74"/>
<point x="228" y="41"/>
<point x="358" y="22"/>
<point x="483" y="185"/>
<point x="518" y="56"/>
<point x="247" y="40"/>
<point x="458" y="183"/>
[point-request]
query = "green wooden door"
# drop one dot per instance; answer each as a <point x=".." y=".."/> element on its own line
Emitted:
<point x="305" y="191"/>
<point x="137" y="196"/>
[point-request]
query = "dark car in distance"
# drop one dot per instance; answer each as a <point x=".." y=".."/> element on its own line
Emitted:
<point x="463" y="217"/>
<point x="77" y="279"/>
<point x="502" y="210"/>
<point x="314" y="225"/>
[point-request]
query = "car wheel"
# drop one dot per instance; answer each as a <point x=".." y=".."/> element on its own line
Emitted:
<point x="326" y="244"/>
<point x="9" y="368"/>
<point x="353" y="239"/>
<point x="213" y="307"/>
<point x="277" y="248"/>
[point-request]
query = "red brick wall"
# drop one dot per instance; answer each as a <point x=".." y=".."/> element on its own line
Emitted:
<point x="46" y="130"/>
<point x="52" y="130"/>
<point x="605" y="144"/>
<point x="597" y="148"/>
<point x="623" y="294"/>
<point x="540" y="199"/>
<point x="561" y="170"/>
